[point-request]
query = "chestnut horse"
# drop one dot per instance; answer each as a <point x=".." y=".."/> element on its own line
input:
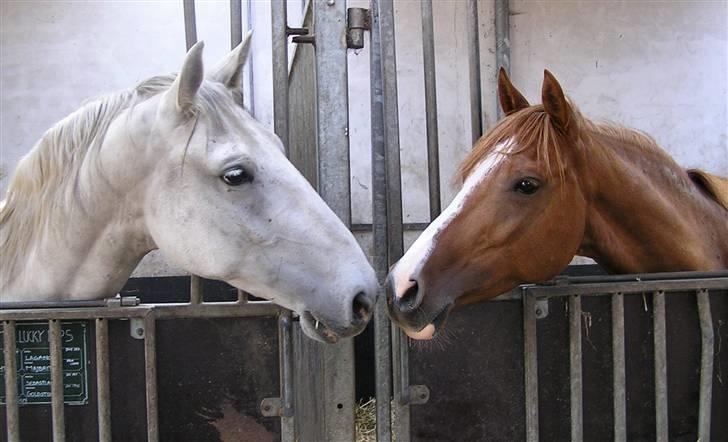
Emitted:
<point x="545" y="184"/>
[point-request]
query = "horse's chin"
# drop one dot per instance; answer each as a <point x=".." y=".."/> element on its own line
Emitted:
<point x="430" y="330"/>
<point x="317" y="330"/>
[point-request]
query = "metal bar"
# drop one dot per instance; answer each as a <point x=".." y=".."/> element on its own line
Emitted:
<point x="473" y="35"/>
<point x="433" y="154"/>
<point x="618" y="370"/>
<point x="410" y="227"/>
<point x="502" y="41"/>
<point x="242" y="296"/>
<point x="150" y="374"/>
<point x="530" y="356"/>
<point x="379" y="228"/>
<point x="638" y="277"/>
<point x="236" y="23"/>
<point x="599" y="289"/>
<point x="250" y="97"/>
<point x="196" y="296"/>
<point x="575" y="372"/>
<point x="102" y="380"/>
<point x="285" y="362"/>
<point x="400" y="350"/>
<point x="329" y="17"/>
<point x="12" y="420"/>
<point x="161" y="311"/>
<point x="706" y="364"/>
<point x="279" y="24"/>
<point x="56" y="355"/>
<point x="190" y="23"/>
<point x="660" y="340"/>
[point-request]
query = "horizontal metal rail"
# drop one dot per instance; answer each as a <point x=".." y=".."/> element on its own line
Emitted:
<point x="159" y="311"/>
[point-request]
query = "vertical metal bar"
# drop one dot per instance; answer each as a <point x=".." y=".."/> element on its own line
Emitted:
<point x="236" y="23"/>
<point x="660" y="340"/>
<point x="242" y="296"/>
<point x="400" y="350"/>
<point x="530" y="356"/>
<point x="473" y="35"/>
<point x="706" y="364"/>
<point x="334" y="186"/>
<point x="195" y="289"/>
<point x="285" y="362"/>
<point x="279" y="23"/>
<point x="56" y="354"/>
<point x="150" y="373"/>
<point x="382" y="326"/>
<point x="433" y="154"/>
<point x="102" y="380"/>
<point x="618" y="370"/>
<point x="250" y="98"/>
<point x="577" y="410"/>
<point x="12" y="420"/>
<point x="502" y="41"/>
<point x="190" y="23"/>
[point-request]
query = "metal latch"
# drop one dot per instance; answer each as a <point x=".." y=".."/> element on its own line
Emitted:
<point x="358" y="20"/>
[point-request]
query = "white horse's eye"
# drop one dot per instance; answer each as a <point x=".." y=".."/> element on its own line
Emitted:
<point x="236" y="176"/>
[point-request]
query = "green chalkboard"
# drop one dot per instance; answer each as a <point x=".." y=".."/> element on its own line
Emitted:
<point x="34" y="364"/>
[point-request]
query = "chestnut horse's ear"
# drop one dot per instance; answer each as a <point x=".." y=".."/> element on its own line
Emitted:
<point x="510" y="99"/>
<point x="554" y="101"/>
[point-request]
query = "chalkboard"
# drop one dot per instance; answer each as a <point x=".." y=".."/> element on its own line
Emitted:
<point x="34" y="364"/>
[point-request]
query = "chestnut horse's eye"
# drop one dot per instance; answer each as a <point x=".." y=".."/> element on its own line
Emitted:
<point x="236" y="176"/>
<point x="526" y="186"/>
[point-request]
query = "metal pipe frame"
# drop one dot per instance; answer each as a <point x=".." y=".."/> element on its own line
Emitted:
<point x="11" y="382"/>
<point x="236" y="23"/>
<point x="150" y="375"/>
<point x="660" y="343"/>
<point x="575" y="369"/>
<point x="190" y="23"/>
<point x="433" y="151"/>
<point x="618" y="369"/>
<point x="380" y="229"/>
<point x="502" y="41"/>
<point x="279" y="26"/>
<point x="530" y="356"/>
<point x="706" y="364"/>
<point x="56" y="350"/>
<point x="103" y="390"/>
<point x="476" y="100"/>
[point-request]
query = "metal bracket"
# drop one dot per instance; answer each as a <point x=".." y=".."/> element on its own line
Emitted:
<point x="418" y="394"/>
<point x="136" y="328"/>
<point x="542" y="308"/>
<point x="358" y="20"/>
<point x="123" y="301"/>
<point x="271" y="407"/>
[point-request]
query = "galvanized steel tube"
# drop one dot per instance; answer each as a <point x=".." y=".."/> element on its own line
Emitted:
<point x="102" y="380"/>
<point x="473" y="36"/>
<point x="12" y="420"/>
<point x="530" y="357"/>
<point x="502" y="41"/>
<point x="195" y="289"/>
<point x="618" y="370"/>
<point x="285" y="375"/>
<point x="236" y="23"/>
<point x="150" y="374"/>
<point x="707" y="346"/>
<point x="575" y="369"/>
<point x="660" y="342"/>
<point x="279" y="24"/>
<point x="190" y="23"/>
<point x="56" y="355"/>
<point x="433" y="151"/>
<point x="382" y="326"/>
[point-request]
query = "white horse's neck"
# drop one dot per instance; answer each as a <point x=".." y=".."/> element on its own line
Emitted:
<point x="89" y="245"/>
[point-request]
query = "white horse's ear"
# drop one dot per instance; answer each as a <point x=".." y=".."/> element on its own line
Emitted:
<point x="229" y="70"/>
<point x="184" y="88"/>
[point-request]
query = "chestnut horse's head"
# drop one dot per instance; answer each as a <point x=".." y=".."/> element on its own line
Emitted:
<point x="519" y="217"/>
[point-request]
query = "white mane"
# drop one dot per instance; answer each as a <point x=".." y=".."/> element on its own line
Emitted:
<point x="45" y="179"/>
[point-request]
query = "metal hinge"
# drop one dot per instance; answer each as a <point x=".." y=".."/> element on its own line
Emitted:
<point x="358" y="20"/>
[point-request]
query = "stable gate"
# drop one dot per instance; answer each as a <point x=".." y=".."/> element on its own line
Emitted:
<point x="316" y="382"/>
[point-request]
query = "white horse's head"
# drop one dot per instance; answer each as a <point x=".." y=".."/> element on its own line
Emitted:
<point x="177" y="164"/>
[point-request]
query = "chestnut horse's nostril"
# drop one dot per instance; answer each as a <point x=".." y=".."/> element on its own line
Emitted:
<point x="411" y="298"/>
<point x="362" y="307"/>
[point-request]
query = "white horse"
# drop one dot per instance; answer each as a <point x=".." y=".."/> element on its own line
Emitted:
<point x="178" y="164"/>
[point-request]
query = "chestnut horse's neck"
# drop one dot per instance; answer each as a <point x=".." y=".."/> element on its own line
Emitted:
<point x="644" y="213"/>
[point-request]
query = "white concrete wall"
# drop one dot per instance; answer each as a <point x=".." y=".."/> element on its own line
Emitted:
<point x="657" y="66"/>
